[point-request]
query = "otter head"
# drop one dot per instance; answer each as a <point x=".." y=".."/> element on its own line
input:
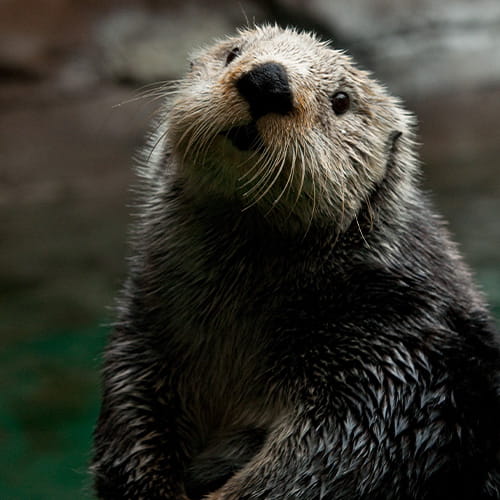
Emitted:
<point x="284" y="123"/>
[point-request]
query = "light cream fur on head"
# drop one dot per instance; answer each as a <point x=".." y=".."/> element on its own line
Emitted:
<point x="313" y="163"/>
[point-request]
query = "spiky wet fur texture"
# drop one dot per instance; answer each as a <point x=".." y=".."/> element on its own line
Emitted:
<point x="296" y="323"/>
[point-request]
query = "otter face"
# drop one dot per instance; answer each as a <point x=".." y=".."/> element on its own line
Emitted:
<point x="281" y="121"/>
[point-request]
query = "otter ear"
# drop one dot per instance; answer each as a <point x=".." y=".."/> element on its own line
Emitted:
<point x="393" y="139"/>
<point x="392" y="147"/>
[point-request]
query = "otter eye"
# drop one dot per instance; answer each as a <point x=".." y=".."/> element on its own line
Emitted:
<point x="340" y="103"/>
<point x="233" y="54"/>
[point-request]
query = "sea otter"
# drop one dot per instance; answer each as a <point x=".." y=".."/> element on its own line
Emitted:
<point x="296" y="323"/>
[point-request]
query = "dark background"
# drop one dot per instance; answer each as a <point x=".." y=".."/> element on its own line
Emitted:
<point x="67" y="136"/>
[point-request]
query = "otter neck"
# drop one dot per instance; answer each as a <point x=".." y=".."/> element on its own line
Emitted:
<point x="386" y="208"/>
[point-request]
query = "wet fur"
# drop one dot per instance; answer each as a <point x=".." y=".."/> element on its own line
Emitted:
<point x="296" y="323"/>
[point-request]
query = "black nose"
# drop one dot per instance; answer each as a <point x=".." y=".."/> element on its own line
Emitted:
<point x="266" y="89"/>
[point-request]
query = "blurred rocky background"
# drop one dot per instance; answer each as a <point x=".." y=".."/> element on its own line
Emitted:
<point x="70" y="122"/>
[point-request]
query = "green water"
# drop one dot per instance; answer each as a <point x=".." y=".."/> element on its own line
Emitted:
<point x="48" y="406"/>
